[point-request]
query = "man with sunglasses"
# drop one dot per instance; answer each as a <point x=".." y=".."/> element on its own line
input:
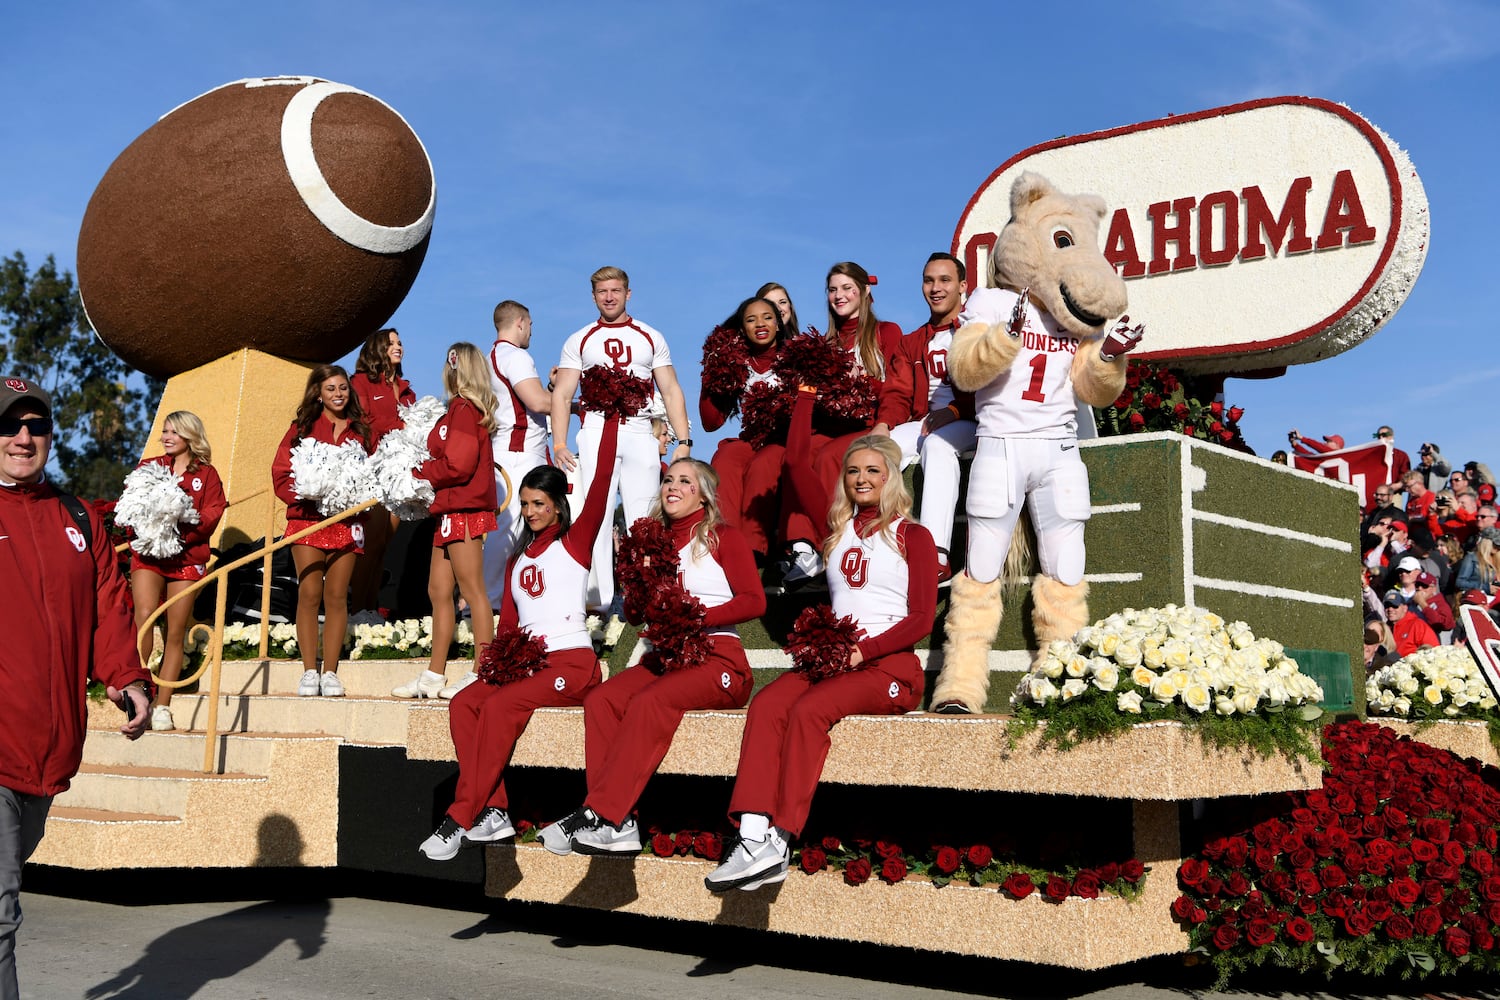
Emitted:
<point x="1400" y="460"/>
<point x="64" y="620"/>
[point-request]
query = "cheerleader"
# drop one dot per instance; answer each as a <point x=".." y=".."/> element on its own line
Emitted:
<point x="629" y="721"/>
<point x="329" y="412"/>
<point x="186" y="452"/>
<point x="381" y="390"/>
<point x="749" y="476"/>
<point x="776" y="294"/>
<point x="883" y="575"/>
<point x="546" y="589"/>
<point x="853" y="325"/>
<point x="461" y="470"/>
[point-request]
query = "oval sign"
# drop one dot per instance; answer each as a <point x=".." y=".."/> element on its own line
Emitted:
<point x="1252" y="236"/>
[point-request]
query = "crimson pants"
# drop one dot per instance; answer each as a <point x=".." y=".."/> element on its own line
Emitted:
<point x="486" y="720"/>
<point x="786" y="733"/>
<point x="629" y="721"/>
<point x="799" y="524"/>
<point x="749" y="480"/>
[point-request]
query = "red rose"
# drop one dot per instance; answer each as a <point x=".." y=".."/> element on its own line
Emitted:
<point x="886" y="849"/>
<point x="1086" y="885"/>
<point x="1132" y="870"/>
<point x="1226" y="937"/>
<point x="682" y="843"/>
<point x="1299" y="930"/>
<point x="857" y="872"/>
<point x="1358" y="924"/>
<point x="662" y="845"/>
<point x="893" y="870"/>
<point x="1151" y="400"/>
<point x="1332" y="877"/>
<point x="1433" y="828"/>
<point x="1216" y="408"/>
<point x="830" y="844"/>
<point x="1189" y="431"/>
<point x="1193" y="872"/>
<point x="1380" y="910"/>
<point x="1019" y="885"/>
<point x="1308" y="883"/>
<point x="1427" y="921"/>
<point x="1235" y="412"/>
<point x="1466" y="833"/>
<point x="1259" y="933"/>
<point x="1182" y="907"/>
<point x="1137" y="422"/>
<point x="1263" y="859"/>
<point x="1405" y="891"/>
<point x="1212" y="886"/>
<point x="1398" y="928"/>
<point x="1107" y="872"/>
<point x="1456" y="942"/>
<point x="1180" y="411"/>
<point x="1482" y="861"/>
<point x="1216" y="428"/>
<point x="709" y="845"/>
<point x="946" y="860"/>
<point x="1057" y="888"/>
<point x="1237" y="884"/>
<point x="813" y="860"/>
<point x="1424" y="850"/>
<point x="1489" y="889"/>
<point x="1126" y="398"/>
<point x="1441" y="871"/>
<point x="1453" y="852"/>
<point x="1380" y="849"/>
<point x="1302" y="859"/>
<point x="980" y="856"/>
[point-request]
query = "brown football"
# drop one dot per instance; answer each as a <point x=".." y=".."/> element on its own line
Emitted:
<point x="285" y="214"/>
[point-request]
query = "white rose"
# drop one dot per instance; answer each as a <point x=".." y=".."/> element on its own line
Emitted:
<point x="1128" y="655"/>
<point x="1245" y="702"/>
<point x="1107" y="677"/>
<point x="1153" y="657"/>
<point x="1078" y="666"/>
<point x="1433" y="694"/>
<point x="1107" y="643"/>
<point x="1224" y="705"/>
<point x="1196" y="697"/>
<point x="1402" y="706"/>
<point x="1129" y="702"/>
<point x="1042" y="690"/>
<point x="1177" y="652"/>
<point x="1163" y="690"/>
<point x="1073" y="687"/>
<point x="1143" y="677"/>
<point x="1052" y="668"/>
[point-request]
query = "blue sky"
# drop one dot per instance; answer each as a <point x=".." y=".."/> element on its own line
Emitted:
<point x="707" y="147"/>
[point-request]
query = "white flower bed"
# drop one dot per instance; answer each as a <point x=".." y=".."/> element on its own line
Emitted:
<point x="1433" y="681"/>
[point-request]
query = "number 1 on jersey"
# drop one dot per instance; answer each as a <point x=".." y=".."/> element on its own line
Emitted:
<point x="1033" y="391"/>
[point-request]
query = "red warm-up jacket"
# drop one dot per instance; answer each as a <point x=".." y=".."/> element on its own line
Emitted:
<point x="462" y="466"/>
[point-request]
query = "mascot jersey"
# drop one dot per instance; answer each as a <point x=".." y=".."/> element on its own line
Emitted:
<point x="633" y="346"/>
<point x="1034" y="398"/>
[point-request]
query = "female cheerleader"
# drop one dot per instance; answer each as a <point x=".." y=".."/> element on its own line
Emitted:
<point x="883" y="575"/>
<point x="381" y="390"/>
<point x="461" y="470"/>
<point x="546" y="591"/>
<point x="749" y="477"/>
<point x="329" y="412"/>
<point x="629" y="721"/>
<point x="185" y="450"/>
<point x="777" y="295"/>
<point x="853" y="325"/>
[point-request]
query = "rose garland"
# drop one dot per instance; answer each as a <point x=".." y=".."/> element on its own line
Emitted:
<point x="821" y="643"/>
<point x="153" y="504"/>
<point x="613" y="392"/>
<point x="514" y="655"/>
<point x="647" y="569"/>
<point x="726" y="365"/>
<point x="401" y="451"/>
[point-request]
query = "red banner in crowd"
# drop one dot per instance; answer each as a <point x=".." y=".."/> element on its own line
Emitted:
<point x="1364" y="467"/>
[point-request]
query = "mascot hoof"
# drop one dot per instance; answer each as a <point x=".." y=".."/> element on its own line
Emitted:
<point x="951" y="707"/>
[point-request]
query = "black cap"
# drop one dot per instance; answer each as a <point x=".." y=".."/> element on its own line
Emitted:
<point x="13" y="390"/>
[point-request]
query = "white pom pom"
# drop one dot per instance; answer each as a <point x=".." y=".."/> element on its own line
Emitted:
<point x="399" y="453"/>
<point x="152" y="505"/>
<point x="335" y="477"/>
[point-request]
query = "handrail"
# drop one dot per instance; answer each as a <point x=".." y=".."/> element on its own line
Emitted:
<point x="123" y="546"/>
<point x="215" y="634"/>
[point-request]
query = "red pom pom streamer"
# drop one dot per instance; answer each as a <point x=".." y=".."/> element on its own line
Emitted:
<point x="726" y="365"/>
<point x="676" y="632"/>
<point x="646" y="562"/>
<point x="846" y="396"/>
<point x="821" y="643"/>
<point x="613" y="392"/>
<point x="514" y="655"/>
<point x="766" y="413"/>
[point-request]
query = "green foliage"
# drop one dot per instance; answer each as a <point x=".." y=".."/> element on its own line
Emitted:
<point x="102" y="419"/>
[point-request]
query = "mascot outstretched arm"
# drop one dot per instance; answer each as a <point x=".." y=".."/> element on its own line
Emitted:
<point x="1031" y="347"/>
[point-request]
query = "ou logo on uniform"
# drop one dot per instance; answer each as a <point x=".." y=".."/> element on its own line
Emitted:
<point x="532" y="581"/>
<point x="855" y="566"/>
<point x="618" y="352"/>
<point x="937" y="363"/>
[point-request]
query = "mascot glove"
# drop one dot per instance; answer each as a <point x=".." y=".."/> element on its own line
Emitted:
<point x="1122" y="339"/>
<point x="1018" y="314"/>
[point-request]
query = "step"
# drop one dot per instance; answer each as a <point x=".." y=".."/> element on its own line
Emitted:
<point x="369" y="721"/>
<point x="182" y="749"/>
<point x="149" y="790"/>
<point x="361" y="678"/>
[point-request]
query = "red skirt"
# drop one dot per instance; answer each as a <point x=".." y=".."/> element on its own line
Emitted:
<point x="340" y="537"/>
<point x="170" y="571"/>
<point x="462" y="525"/>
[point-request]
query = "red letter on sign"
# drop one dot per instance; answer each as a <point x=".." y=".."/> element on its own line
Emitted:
<point x="1344" y="212"/>
<point x="1259" y="221"/>
<point x="1119" y="247"/>
<point x="1180" y="233"/>
<point x="1227" y="201"/>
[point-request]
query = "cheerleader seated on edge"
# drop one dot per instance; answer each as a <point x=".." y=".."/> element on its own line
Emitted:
<point x="882" y="572"/>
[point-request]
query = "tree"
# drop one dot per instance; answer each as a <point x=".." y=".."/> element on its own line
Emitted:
<point x="102" y="412"/>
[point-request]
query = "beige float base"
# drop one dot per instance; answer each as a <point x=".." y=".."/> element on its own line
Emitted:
<point x="245" y="400"/>
<point x="1467" y="739"/>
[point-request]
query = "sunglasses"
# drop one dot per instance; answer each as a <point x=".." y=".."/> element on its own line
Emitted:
<point x="38" y="426"/>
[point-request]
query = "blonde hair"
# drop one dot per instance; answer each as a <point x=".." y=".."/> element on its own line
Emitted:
<point x="1487" y="561"/>
<point x="895" y="501"/>
<point x="470" y="379"/>
<point x="190" y="429"/>
<point x="609" y="273"/>
<point x="705" y="535"/>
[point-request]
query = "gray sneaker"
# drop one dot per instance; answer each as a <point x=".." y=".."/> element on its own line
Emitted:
<point x="558" y="838"/>
<point x="445" y="841"/>
<point x="606" y="838"/>
<point x="493" y="824"/>
<point x="750" y="865"/>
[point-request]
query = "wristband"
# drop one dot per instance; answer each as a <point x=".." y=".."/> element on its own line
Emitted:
<point x="686" y="441"/>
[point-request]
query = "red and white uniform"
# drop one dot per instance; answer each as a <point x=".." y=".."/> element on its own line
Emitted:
<point x="636" y="471"/>
<point x="1028" y="448"/>
<point x="207" y="492"/>
<point x="381" y="402"/>
<point x="885" y="581"/>
<point x="918" y="384"/>
<point x="629" y="721"/>
<point x="459" y="471"/>
<point x="346" y="535"/>
<point x="519" y="445"/>
<point x="749" y="478"/>
<point x="548" y="582"/>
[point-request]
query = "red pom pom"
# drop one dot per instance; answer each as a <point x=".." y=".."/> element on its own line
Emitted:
<point x="646" y="562"/>
<point x="821" y="643"/>
<point x="676" y="633"/>
<point x="845" y="396"/>
<point x="766" y="413"/>
<point x="614" y="392"/>
<point x="514" y="655"/>
<point x="726" y="365"/>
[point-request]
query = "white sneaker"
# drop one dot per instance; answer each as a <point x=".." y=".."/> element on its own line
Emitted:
<point x="445" y="841"/>
<point x="427" y="685"/>
<point x="493" y="824"/>
<point x="751" y="865"/>
<point x="806" y="563"/>
<point x="329" y="685"/>
<point x="458" y="685"/>
<point x="309" y="686"/>
<point x="161" y="719"/>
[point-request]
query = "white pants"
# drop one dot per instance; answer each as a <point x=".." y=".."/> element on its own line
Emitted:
<point x="498" y="549"/>
<point x="938" y="453"/>
<point x="637" y="478"/>
<point x="1049" y="477"/>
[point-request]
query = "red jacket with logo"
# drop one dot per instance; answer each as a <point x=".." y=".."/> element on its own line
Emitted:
<point x="281" y="466"/>
<point x="905" y="395"/>
<point x="462" y="465"/>
<point x="65" y="621"/>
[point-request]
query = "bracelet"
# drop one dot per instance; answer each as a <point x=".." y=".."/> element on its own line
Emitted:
<point x="686" y="441"/>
